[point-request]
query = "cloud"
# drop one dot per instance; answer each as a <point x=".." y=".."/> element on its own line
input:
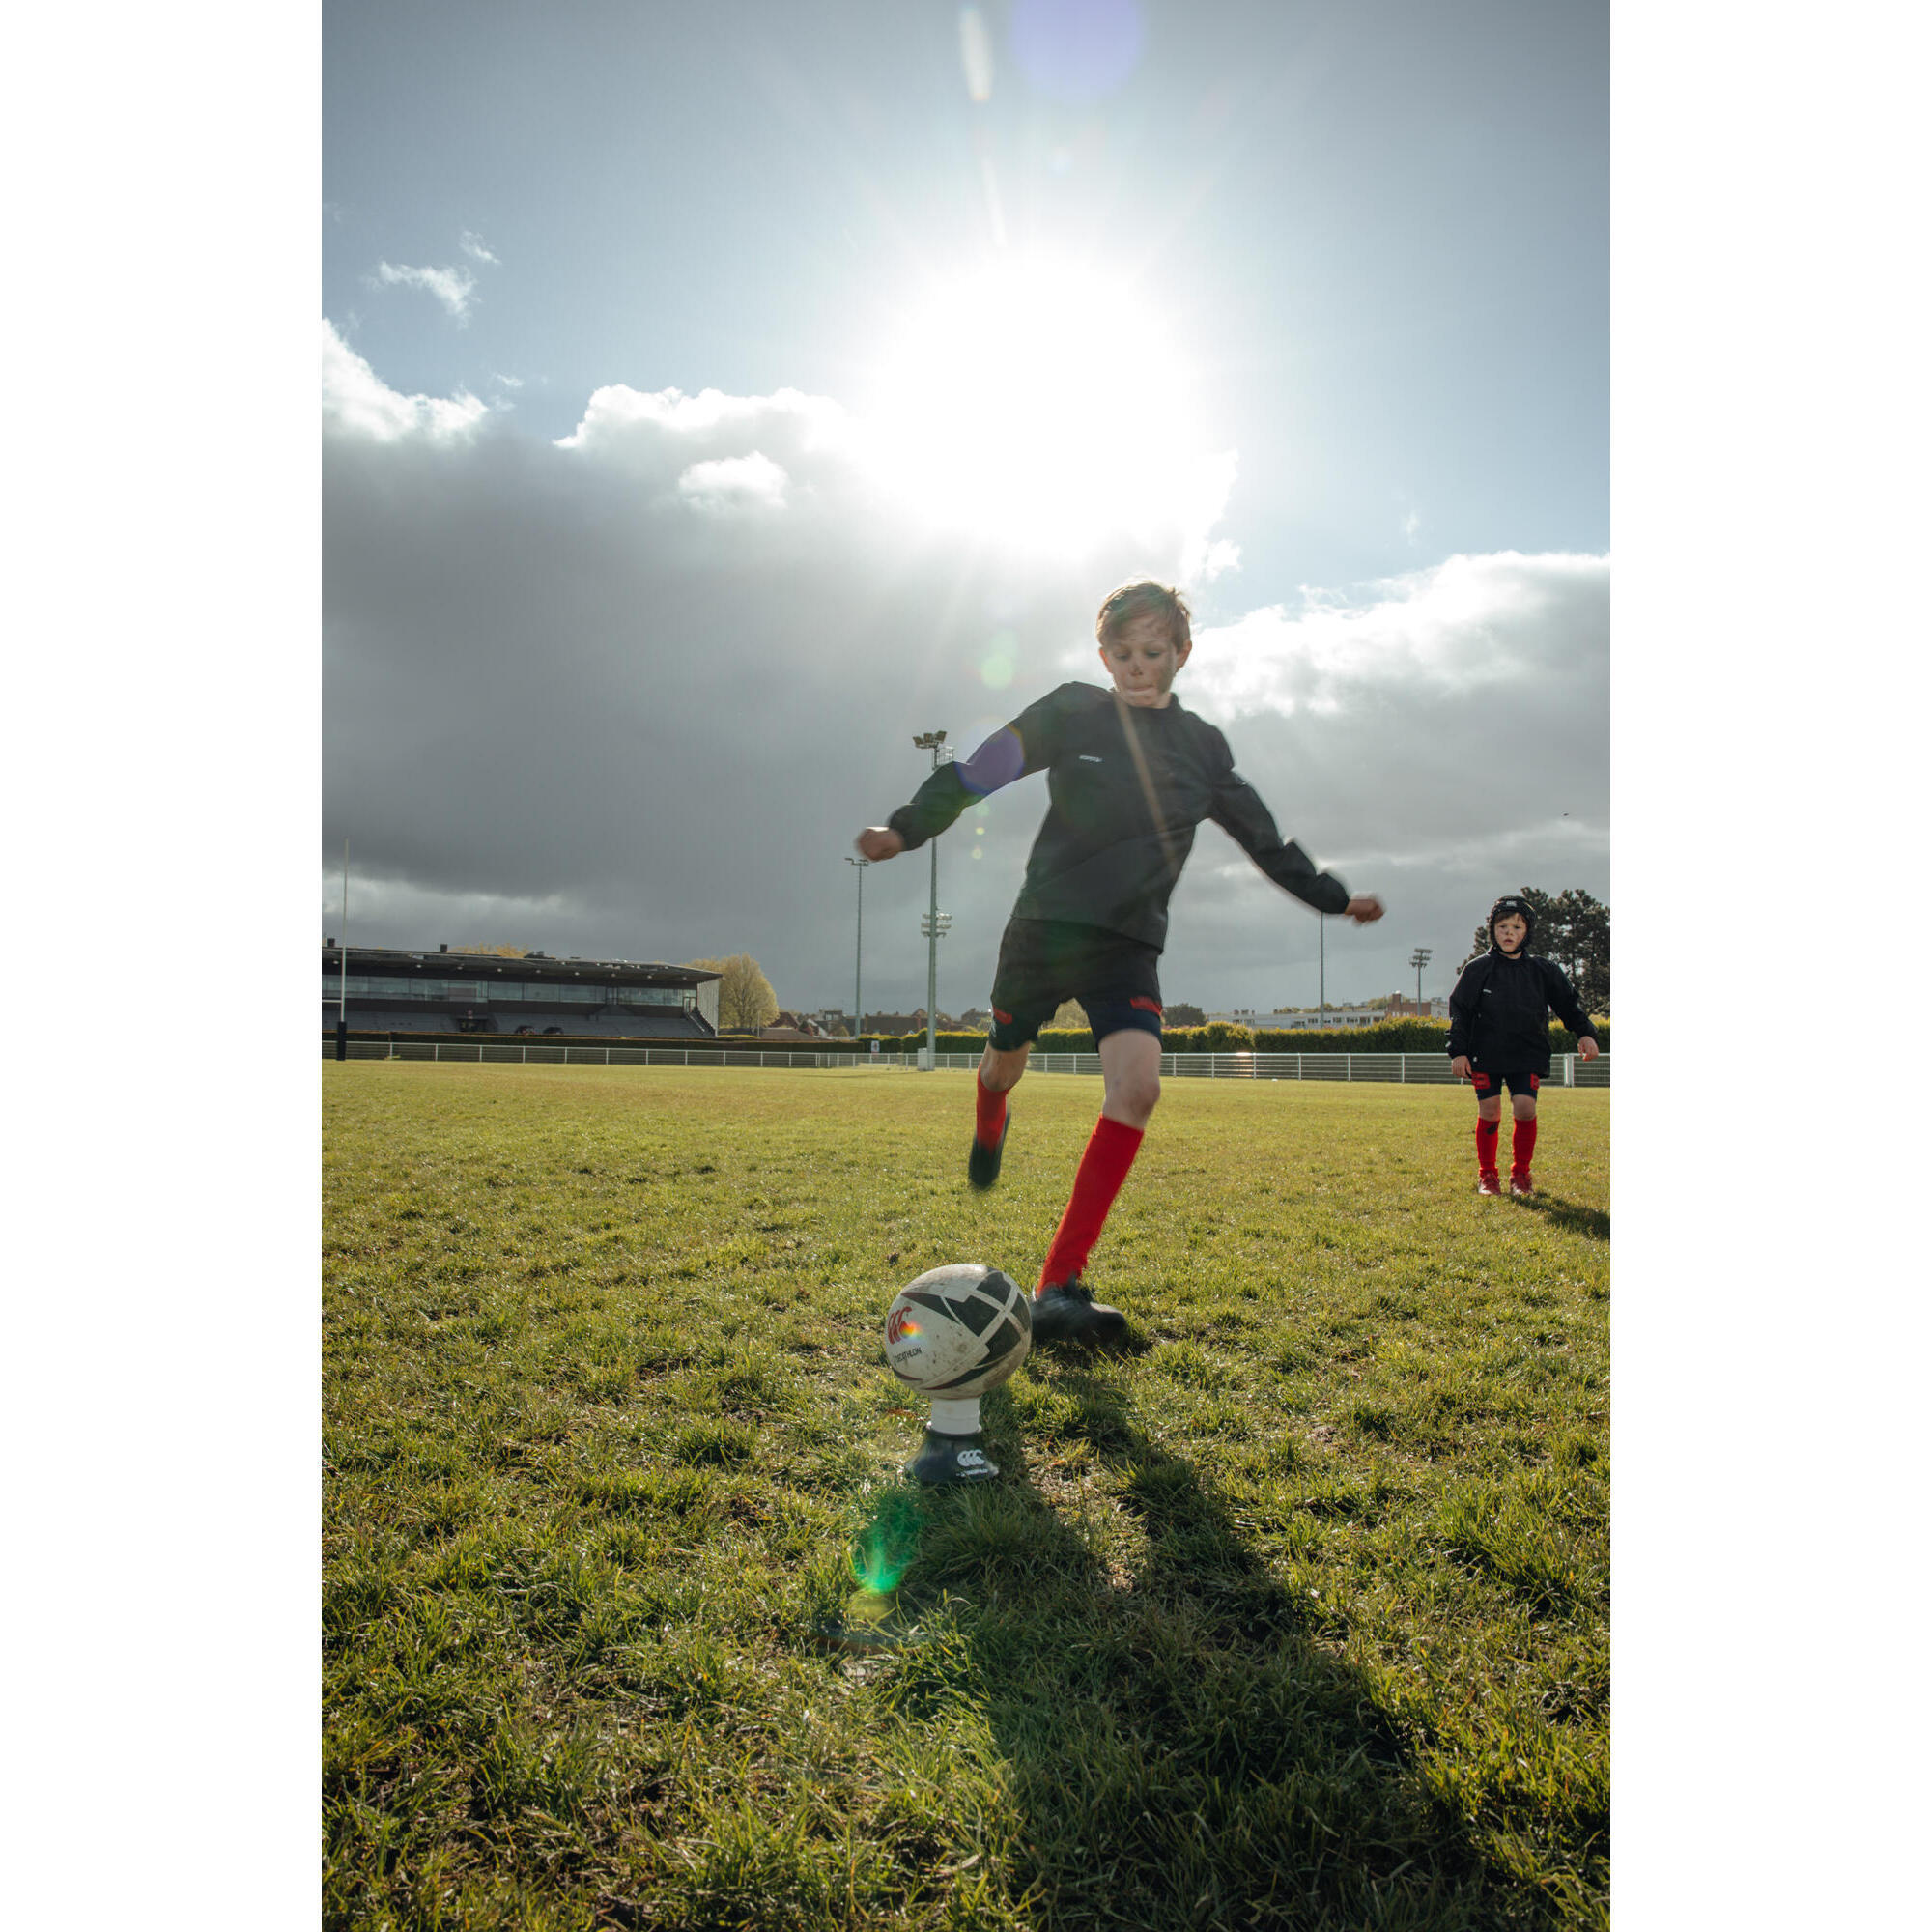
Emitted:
<point x="734" y="482"/>
<point x="619" y="419"/>
<point x="472" y="247"/>
<point x="1467" y="625"/>
<point x="1445" y="709"/>
<point x="355" y="402"/>
<point x="631" y="693"/>
<point x="451" y="287"/>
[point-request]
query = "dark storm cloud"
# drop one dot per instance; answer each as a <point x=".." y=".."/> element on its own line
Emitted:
<point x="632" y="697"/>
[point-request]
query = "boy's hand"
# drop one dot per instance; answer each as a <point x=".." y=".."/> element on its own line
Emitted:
<point x="1364" y="908"/>
<point x="1459" y="1067"/>
<point x="1586" y="1048"/>
<point x="879" y="841"/>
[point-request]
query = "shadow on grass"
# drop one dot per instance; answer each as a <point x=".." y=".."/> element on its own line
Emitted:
<point x="1592" y="1222"/>
<point x="1181" y="1749"/>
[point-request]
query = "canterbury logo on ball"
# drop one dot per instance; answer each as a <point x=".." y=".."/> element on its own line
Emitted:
<point x="898" y="1323"/>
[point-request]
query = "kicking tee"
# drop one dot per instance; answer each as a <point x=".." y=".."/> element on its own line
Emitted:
<point x="1125" y="788"/>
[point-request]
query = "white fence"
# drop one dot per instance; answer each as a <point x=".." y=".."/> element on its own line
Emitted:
<point x="1407" y="1070"/>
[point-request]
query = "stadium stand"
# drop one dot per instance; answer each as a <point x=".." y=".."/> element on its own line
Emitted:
<point x="443" y="993"/>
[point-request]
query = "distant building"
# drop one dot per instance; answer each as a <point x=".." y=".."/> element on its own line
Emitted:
<point x="794" y="1026"/>
<point x="398" y="991"/>
<point x="1335" y="1018"/>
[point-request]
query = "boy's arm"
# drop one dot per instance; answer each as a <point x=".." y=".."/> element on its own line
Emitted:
<point x="1563" y="999"/>
<point x="1238" y="809"/>
<point x="1463" y="1009"/>
<point x="1026" y="744"/>
<point x="951" y="788"/>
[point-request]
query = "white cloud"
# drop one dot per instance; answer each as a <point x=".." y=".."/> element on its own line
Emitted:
<point x="734" y="482"/>
<point x="618" y="414"/>
<point x="472" y="247"/>
<point x="1462" y="625"/>
<point x="357" y="402"/>
<point x="451" y="287"/>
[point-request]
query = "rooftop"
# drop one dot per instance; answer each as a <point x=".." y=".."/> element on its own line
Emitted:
<point x="435" y="962"/>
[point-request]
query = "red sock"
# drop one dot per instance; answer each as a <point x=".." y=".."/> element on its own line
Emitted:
<point x="1488" y="1133"/>
<point x="989" y="1112"/>
<point x="1523" y="1144"/>
<point x="1103" y="1167"/>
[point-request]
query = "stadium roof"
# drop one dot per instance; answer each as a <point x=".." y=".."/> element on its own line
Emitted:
<point x="434" y="962"/>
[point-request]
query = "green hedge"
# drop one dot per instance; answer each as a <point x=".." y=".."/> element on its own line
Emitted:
<point x="1389" y="1036"/>
<point x="1413" y="1035"/>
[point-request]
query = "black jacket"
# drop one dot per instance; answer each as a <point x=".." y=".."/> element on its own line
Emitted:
<point x="1499" y="1012"/>
<point x="1125" y="788"/>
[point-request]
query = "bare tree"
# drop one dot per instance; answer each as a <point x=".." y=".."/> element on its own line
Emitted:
<point x="745" y="1000"/>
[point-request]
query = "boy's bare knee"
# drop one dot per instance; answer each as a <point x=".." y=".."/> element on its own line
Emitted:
<point x="999" y="1071"/>
<point x="1131" y="1096"/>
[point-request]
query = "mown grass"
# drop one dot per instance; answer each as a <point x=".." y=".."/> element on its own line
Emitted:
<point x="1294" y="1617"/>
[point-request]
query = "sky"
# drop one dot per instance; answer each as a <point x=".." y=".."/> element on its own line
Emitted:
<point x="713" y="399"/>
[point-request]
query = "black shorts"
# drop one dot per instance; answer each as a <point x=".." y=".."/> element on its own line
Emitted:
<point x="1046" y="961"/>
<point x="1490" y="1082"/>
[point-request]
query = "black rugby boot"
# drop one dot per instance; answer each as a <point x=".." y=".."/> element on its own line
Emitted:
<point x="982" y="1164"/>
<point x="1068" y="1312"/>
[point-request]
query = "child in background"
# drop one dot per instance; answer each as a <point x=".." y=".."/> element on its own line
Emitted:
<point x="1500" y="1036"/>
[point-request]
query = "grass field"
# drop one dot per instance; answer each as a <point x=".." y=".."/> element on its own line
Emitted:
<point x="1296" y="1616"/>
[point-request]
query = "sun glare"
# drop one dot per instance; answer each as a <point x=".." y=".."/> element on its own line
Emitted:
<point x="1037" y="406"/>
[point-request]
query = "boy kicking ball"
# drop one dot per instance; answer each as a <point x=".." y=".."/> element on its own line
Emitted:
<point x="1129" y="774"/>
<point x="1500" y="1037"/>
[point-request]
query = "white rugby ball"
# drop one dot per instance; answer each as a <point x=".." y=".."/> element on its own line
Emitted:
<point x="958" y="1330"/>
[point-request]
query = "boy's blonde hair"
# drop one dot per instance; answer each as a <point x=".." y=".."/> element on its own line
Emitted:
<point x="1144" y="598"/>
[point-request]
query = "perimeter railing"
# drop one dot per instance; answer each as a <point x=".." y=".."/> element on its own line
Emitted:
<point x="1407" y="1070"/>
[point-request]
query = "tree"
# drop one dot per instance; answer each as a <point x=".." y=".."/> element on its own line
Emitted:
<point x="1071" y="1016"/>
<point x="745" y="1000"/>
<point x="1180" y="1014"/>
<point x="1573" y="929"/>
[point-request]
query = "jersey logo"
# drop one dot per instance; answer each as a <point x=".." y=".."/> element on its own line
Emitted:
<point x="1088" y="758"/>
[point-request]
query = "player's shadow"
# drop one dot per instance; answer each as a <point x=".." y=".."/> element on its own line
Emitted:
<point x="1593" y="1222"/>
<point x="1184" y="1750"/>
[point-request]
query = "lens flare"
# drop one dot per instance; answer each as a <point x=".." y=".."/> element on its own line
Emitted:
<point x="886" y="1548"/>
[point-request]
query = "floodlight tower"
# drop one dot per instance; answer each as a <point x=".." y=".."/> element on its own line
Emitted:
<point x="859" y="952"/>
<point x="342" y="1009"/>
<point x="1419" y="958"/>
<point x="935" y="743"/>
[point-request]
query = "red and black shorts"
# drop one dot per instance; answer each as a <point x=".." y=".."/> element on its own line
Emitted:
<point x="1489" y="1081"/>
<point x="1045" y="962"/>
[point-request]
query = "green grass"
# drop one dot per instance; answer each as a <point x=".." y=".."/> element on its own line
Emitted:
<point x="1294" y="1617"/>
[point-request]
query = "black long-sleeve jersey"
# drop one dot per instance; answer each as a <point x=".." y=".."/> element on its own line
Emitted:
<point x="1125" y="788"/>
<point x="1499" y="1012"/>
